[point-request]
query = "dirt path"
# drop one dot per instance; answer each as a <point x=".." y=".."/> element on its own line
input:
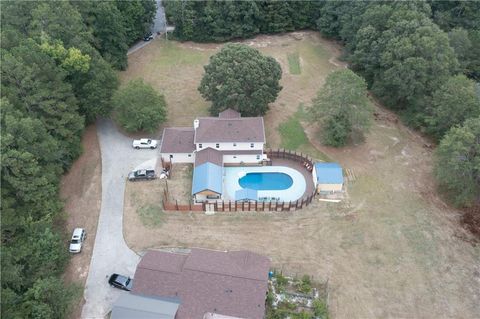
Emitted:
<point x="81" y="189"/>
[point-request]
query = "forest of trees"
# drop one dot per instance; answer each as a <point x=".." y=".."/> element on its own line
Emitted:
<point x="57" y="70"/>
<point x="420" y="58"/>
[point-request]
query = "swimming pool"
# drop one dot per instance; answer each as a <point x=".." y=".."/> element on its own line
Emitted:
<point x="279" y="182"/>
<point x="266" y="181"/>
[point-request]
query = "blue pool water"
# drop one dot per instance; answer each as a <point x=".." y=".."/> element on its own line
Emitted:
<point x="266" y="181"/>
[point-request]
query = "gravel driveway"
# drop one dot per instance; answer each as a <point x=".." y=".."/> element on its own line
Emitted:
<point x="110" y="253"/>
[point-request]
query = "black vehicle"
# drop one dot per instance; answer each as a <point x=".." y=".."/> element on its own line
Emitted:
<point x="120" y="282"/>
<point x="148" y="37"/>
<point x="142" y="174"/>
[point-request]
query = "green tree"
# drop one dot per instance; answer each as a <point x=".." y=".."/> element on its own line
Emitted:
<point x="453" y="103"/>
<point x="108" y="28"/>
<point x="461" y="44"/>
<point x="457" y="166"/>
<point x="342" y="108"/>
<point x="241" y="78"/>
<point x="139" y="107"/>
<point x="137" y="17"/>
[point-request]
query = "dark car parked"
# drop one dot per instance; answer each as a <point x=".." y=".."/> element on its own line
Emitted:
<point x="148" y="37"/>
<point x="142" y="174"/>
<point x="120" y="282"/>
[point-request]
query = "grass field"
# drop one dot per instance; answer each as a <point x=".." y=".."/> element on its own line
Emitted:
<point x="392" y="249"/>
<point x="294" y="63"/>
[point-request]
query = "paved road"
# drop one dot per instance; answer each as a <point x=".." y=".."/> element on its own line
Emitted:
<point x="159" y="26"/>
<point x="110" y="253"/>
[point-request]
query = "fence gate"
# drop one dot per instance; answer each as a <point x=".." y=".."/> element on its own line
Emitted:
<point x="209" y="209"/>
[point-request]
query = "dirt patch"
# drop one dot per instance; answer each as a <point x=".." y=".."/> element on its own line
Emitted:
<point x="81" y="189"/>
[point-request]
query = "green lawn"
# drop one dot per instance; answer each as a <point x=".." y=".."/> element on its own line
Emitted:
<point x="294" y="138"/>
<point x="294" y="63"/>
<point x="151" y="215"/>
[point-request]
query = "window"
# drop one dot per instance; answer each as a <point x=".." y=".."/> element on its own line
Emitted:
<point x="200" y="145"/>
<point x="189" y="155"/>
<point x="234" y="156"/>
<point x="258" y="157"/>
<point x="217" y="145"/>
<point x="251" y="145"/>
<point x="171" y="156"/>
<point x="234" y="144"/>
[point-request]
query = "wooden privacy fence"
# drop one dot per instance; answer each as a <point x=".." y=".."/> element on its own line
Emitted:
<point x="247" y="206"/>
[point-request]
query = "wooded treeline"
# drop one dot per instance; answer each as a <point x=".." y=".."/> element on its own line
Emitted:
<point x="420" y="58"/>
<point x="57" y="71"/>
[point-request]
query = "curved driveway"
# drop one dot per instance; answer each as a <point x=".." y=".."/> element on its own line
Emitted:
<point x="110" y="252"/>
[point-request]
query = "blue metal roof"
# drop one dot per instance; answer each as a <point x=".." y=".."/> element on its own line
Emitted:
<point x="329" y="173"/>
<point x="246" y="194"/>
<point x="207" y="176"/>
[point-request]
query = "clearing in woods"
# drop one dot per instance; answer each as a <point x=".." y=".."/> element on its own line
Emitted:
<point x="392" y="249"/>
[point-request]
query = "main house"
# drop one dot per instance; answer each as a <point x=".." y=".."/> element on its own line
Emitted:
<point x="211" y="144"/>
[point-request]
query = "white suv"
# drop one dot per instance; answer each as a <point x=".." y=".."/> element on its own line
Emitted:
<point x="144" y="143"/>
<point x="77" y="240"/>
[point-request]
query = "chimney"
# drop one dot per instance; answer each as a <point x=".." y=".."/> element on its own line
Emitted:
<point x="196" y="124"/>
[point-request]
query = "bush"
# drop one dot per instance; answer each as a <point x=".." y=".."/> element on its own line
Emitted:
<point x="305" y="285"/>
<point x="320" y="309"/>
<point x="139" y="107"/>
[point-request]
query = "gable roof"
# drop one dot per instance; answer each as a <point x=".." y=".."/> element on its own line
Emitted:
<point x="217" y="130"/>
<point x="226" y="283"/>
<point x="207" y="176"/>
<point x="146" y="307"/>
<point x="229" y="113"/>
<point x="178" y="140"/>
<point x="329" y="173"/>
<point x="209" y="155"/>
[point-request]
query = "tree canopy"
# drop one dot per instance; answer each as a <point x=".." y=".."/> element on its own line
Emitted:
<point x="454" y="102"/>
<point x="457" y="165"/>
<point x="56" y="70"/>
<point x="139" y="107"/>
<point x="342" y="108"/>
<point x="241" y="78"/>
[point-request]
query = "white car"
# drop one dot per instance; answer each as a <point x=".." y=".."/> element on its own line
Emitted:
<point x="77" y="240"/>
<point x="144" y="143"/>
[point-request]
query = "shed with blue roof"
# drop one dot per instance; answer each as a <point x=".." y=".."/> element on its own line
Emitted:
<point x="207" y="181"/>
<point x="328" y="177"/>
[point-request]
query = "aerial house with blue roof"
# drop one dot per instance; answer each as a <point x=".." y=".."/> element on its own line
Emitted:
<point x="327" y="177"/>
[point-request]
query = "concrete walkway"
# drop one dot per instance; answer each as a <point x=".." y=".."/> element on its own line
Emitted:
<point x="110" y="252"/>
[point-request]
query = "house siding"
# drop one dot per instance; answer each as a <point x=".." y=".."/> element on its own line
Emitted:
<point x="229" y="146"/>
<point x="179" y="157"/>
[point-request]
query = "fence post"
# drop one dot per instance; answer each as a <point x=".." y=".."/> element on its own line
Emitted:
<point x="249" y="205"/>
<point x="176" y="204"/>
<point x="256" y="206"/>
<point x="204" y="206"/>
<point x="270" y="206"/>
<point x="190" y="205"/>
<point x="230" y="205"/>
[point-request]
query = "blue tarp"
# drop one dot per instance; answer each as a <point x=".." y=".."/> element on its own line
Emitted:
<point x="246" y="194"/>
<point x="207" y="176"/>
<point x="329" y="173"/>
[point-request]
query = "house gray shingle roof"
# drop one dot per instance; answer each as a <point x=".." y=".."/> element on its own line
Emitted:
<point x="229" y="114"/>
<point x="178" y="140"/>
<point x="227" y="283"/>
<point x="209" y="155"/>
<point x="129" y="306"/>
<point x="218" y="130"/>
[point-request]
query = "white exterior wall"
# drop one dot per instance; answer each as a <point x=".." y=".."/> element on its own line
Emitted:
<point x="314" y="176"/>
<point x="230" y="147"/>
<point x="231" y="159"/>
<point x="179" y="157"/>
<point x="202" y="198"/>
<point x="329" y="187"/>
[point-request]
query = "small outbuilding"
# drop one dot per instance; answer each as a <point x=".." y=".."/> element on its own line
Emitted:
<point x="328" y="177"/>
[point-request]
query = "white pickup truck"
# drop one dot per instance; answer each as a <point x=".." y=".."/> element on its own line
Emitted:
<point x="144" y="143"/>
